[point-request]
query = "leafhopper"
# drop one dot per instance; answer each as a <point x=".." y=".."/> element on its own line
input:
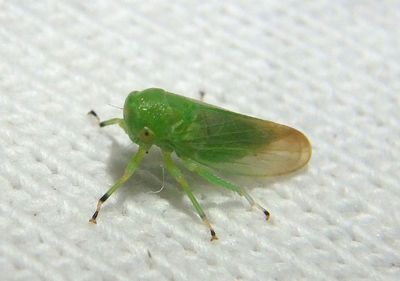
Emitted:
<point x="207" y="139"/>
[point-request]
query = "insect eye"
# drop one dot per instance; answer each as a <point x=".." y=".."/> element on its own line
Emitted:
<point x="147" y="133"/>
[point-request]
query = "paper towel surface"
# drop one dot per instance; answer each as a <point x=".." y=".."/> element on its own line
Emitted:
<point x="328" y="68"/>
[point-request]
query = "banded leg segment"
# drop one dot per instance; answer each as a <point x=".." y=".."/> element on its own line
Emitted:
<point x="214" y="179"/>
<point x="177" y="174"/>
<point x="112" y="121"/>
<point x="129" y="170"/>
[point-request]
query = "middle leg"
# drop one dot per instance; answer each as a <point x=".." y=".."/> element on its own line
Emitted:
<point x="177" y="174"/>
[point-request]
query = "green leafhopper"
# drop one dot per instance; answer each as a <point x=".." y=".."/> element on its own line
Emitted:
<point x="207" y="139"/>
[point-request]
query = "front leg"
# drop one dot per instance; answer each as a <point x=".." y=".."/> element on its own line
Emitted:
<point x="129" y="170"/>
<point x="177" y="174"/>
<point x="109" y="122"/>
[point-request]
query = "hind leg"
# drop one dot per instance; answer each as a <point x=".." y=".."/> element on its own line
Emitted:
<point x="214" y="179"/>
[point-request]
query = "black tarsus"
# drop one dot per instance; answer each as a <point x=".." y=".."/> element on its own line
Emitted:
<point x="213" y="235"/>
<point x="92" y="112"/>
<point x="95" y="215"/>
<point x="202" y="94"/>
<point x="266" y="214"/>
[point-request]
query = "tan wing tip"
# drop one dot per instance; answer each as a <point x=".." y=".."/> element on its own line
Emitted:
<point x="307" y="148"/>
<point x="295" y="151"/>
<point x="304" y="148"/>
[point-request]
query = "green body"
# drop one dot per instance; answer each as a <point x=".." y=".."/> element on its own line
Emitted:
<point x="191" y="128"/>
<point x="206" y="137"/>
<point x="211" y="135"/>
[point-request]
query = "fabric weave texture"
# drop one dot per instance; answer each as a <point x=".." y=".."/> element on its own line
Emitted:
<point x="328" y="68"/>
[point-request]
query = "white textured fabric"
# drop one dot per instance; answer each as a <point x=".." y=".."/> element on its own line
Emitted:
<point x="328" y="68"/>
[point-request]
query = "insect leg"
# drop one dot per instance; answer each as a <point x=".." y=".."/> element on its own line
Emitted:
<point x="177" y="174"/>
<point x="109" y="122"/>
<point x="214" y="179"/>
<point x="202" y="94"/>
<point x="129" y="170"/>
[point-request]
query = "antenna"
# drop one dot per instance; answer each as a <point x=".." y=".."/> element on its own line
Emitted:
<point x="115" y="106"/>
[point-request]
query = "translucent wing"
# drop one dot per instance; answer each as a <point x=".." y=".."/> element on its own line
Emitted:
<point x="240" y="144"/>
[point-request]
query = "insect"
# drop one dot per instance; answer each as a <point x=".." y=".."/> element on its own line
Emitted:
<point x="207" y="139"/>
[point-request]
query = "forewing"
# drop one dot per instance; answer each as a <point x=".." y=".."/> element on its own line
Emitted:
<point x="240" y="144"/>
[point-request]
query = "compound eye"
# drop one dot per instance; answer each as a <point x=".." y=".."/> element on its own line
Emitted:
<point x="147" y="135"/>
